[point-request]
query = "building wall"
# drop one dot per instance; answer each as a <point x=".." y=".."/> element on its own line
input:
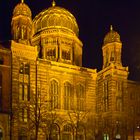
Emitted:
<point x="38" y="79"/>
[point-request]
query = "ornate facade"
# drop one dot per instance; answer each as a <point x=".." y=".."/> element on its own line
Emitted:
<point x="50" y="95"/>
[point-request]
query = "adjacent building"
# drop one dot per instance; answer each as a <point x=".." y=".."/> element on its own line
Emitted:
<point x="5" y="91"/>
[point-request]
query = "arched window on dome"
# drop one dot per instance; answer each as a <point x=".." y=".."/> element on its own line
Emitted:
<point x="50" y="21"/>
<point x="35" y="28"/>
<point x="63" y="21"/>
<point x="56" y="21"/>
<point x="69" y="23"/>
<point x="38" y="25"/>
<point x="44" y="22"/>
<point x="67" y="133"/>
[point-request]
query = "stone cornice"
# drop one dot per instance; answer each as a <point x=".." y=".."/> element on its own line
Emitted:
<point x="25" y="51"/>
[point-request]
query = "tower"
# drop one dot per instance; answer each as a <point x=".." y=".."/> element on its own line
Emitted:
<point x="21" y="25"/>
<point x="111" y="91"/>
<point x="112" y="49"/>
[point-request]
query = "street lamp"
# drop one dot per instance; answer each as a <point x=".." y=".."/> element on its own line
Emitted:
<point x="134" y="132"/>
<point x="118" y="136"/>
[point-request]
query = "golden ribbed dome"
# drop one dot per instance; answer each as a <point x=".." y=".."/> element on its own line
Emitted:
<point x="55" y="17"/>
<point x="111" y="36"/>
<point x="22" y="9"/>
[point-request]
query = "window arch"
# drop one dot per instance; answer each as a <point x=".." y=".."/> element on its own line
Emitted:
<point x="23" y="115"/>
<point x="119" y="86"/>
<point x="80" y="94"/>
<point x="22" y="134"/>
<point x="80" y="132"/>
<point x="54" y="94"/>
<point x="67" y="132"/>
<point x="105" y="95"/>
<point x="24" y="92"/>
<point x="119" y="104"/>
<point x="55" y="132"/>
<point x="68" y="96"/>
<point x="44" y="22"/>
<point x="50" y="21"/>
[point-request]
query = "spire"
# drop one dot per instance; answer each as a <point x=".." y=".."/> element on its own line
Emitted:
<point x="22" y="1"/>
<point x="53" y="3"/>
<point x="111" y="28"/>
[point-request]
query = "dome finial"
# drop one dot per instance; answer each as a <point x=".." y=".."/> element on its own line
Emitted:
<point x="22" y="1"/>
<point x="53" y="3"/>
<point x="111" y="28"/>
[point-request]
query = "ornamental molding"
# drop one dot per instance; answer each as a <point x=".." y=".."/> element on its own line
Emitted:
<point x="24" y="51"/>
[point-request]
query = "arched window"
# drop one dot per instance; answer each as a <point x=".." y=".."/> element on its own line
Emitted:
<point x="55" y="132"/>
<point x="44" y="22"/>
<point x="119" y="104"/>
<point x="80" y="133"/>
<point x="68" y="96"/>
<point x="54" y="94"/>
<point x="56" y="21"/>
<point x="51" y="53"/>
<point x="23" y="115"/>
<point x="105" y="96"/>
<point x="80" y="92"/>
<point x="66" y="54"/>
<point x="24" y="68"/>
<point x="50" y="21"/>
<point x="24" y="93"/>
<point x="119" y="86"/>
<point x="1" y="134"/>
<point x="67" y="132"/>
<point x="22" y="134"/>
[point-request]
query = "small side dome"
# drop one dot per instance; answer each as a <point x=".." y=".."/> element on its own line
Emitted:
<point x="112" y="36"/>
<point x="22" y="9"/>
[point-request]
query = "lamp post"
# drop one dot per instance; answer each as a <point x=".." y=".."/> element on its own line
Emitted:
<point x="138" y="137"/>
<point x="118" y="136"/>
<point x="134" y="131"/>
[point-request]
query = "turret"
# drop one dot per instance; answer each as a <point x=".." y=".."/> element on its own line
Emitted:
<point x="112" y="49"/>
<point x="21" y="25"/>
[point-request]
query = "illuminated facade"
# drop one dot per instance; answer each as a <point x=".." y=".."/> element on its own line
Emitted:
<point x="49" y="85"/>
<point x="52" y="96"/>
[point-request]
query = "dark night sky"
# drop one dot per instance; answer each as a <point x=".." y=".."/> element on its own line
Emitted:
<point x="94" y="18"/>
